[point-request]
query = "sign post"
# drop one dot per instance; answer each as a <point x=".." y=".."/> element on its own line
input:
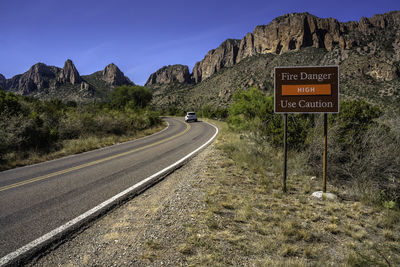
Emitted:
<point x="325" y="154"/>
<point x="307" y="90"/>
<point x="284" y="153"/>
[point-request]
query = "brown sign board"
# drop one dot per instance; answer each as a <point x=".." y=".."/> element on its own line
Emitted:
<point x="307" y="89"/>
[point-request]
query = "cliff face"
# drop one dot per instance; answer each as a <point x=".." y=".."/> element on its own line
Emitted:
<point x="293" y="32"/>
<point x="296" y="31"/>
<point x="170" y="74"/>
<point x="224" y="56"/>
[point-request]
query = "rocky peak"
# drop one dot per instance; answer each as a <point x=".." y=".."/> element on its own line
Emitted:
<point x="170" y="74"/>
<point x="36" y="78"/>
<point x="69" y="74"/>
<point x="112" y="75"/>
<point x="216" y="59"/>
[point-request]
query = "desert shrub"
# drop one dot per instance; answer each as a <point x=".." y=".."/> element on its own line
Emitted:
<point x="130" y="96"/>
<point x="25" y="128"/>
<point x="9" y="103"/>
<point x="362" y="153"/>
<point x="11" y="133"/>
<point x="354" y="119"/>
<point x="253" y="111"/>
<point x="31" y="125"/>
<point x="91" y="121"/>
<point x="213" y="112"/>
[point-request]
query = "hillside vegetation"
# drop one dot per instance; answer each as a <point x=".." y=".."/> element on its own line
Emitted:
<point x="363" y="145"/>
<point x="32" y="130"/>
<point x="246" y="220"/>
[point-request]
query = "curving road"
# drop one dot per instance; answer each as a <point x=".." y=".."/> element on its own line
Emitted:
<point x="37" y="199"/>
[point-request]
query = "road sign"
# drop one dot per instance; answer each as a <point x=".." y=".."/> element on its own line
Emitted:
<point x="307" y="89"/>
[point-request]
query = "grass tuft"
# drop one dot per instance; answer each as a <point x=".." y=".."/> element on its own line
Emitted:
<point x="248" y="221"/>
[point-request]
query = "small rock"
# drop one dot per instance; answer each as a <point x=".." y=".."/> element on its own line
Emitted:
<point x="320" y="194"/>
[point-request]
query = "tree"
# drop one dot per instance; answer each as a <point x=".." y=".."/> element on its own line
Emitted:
<point x="130" y="96"/>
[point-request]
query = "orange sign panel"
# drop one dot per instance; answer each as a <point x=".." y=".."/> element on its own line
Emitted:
<point x="306" y="89"/>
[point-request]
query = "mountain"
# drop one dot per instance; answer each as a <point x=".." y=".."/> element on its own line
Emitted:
<point x="48" y="82"/>
<point x="368" y="53"/>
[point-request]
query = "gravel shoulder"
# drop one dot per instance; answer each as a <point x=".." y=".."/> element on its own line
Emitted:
<point x="148" y="230"/>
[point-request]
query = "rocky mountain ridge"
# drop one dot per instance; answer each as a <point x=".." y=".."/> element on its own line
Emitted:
<point x="367" y="52"/>
<point x="292" y="32"/>
<point x="66" y="83"/>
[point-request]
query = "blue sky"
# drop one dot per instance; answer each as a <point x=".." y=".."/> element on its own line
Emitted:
<point x="142" y="36"/>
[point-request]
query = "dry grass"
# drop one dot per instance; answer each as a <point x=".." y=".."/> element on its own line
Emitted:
<point x="75" y="146"/>
<point x="248" y="221"/>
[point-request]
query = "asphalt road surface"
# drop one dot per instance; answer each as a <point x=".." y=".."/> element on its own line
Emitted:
<point x="36" y="199"/>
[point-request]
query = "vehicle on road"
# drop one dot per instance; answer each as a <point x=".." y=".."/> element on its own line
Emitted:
<point x="190" y="116"/>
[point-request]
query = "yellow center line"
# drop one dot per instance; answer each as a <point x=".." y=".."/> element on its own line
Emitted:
<point x="91" y="163"/>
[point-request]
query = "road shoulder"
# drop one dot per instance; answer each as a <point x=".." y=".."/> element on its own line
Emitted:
<point x="147" y="230"/>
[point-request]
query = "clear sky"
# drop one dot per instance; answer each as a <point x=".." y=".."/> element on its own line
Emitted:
<point x="142" y="36"/>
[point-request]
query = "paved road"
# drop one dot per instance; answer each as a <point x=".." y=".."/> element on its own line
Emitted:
<point x="39" y="198"/>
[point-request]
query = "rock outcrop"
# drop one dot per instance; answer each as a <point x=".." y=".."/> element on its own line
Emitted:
<point x="69" y="74"/>
<point x="85" y="86"/>
<point x="36" y="78"/>
<point x="170" y="74"/>
<point x="295" y="31"/>
<point x="113" y="76"/>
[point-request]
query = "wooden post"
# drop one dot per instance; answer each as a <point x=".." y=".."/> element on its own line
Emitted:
<point x="284" y="152"/>
<point x="325" y="156"/>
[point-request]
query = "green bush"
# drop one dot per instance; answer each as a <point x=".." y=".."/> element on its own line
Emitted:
<point x="354" y="119"/>
<point x="253" y="111"/>
<point x="363" y="152"/>
<point x="133" y="97"/>
<point x="213" y="113"/>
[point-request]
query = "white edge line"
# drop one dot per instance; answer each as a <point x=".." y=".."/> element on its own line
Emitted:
<point x="43" y="239"/>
